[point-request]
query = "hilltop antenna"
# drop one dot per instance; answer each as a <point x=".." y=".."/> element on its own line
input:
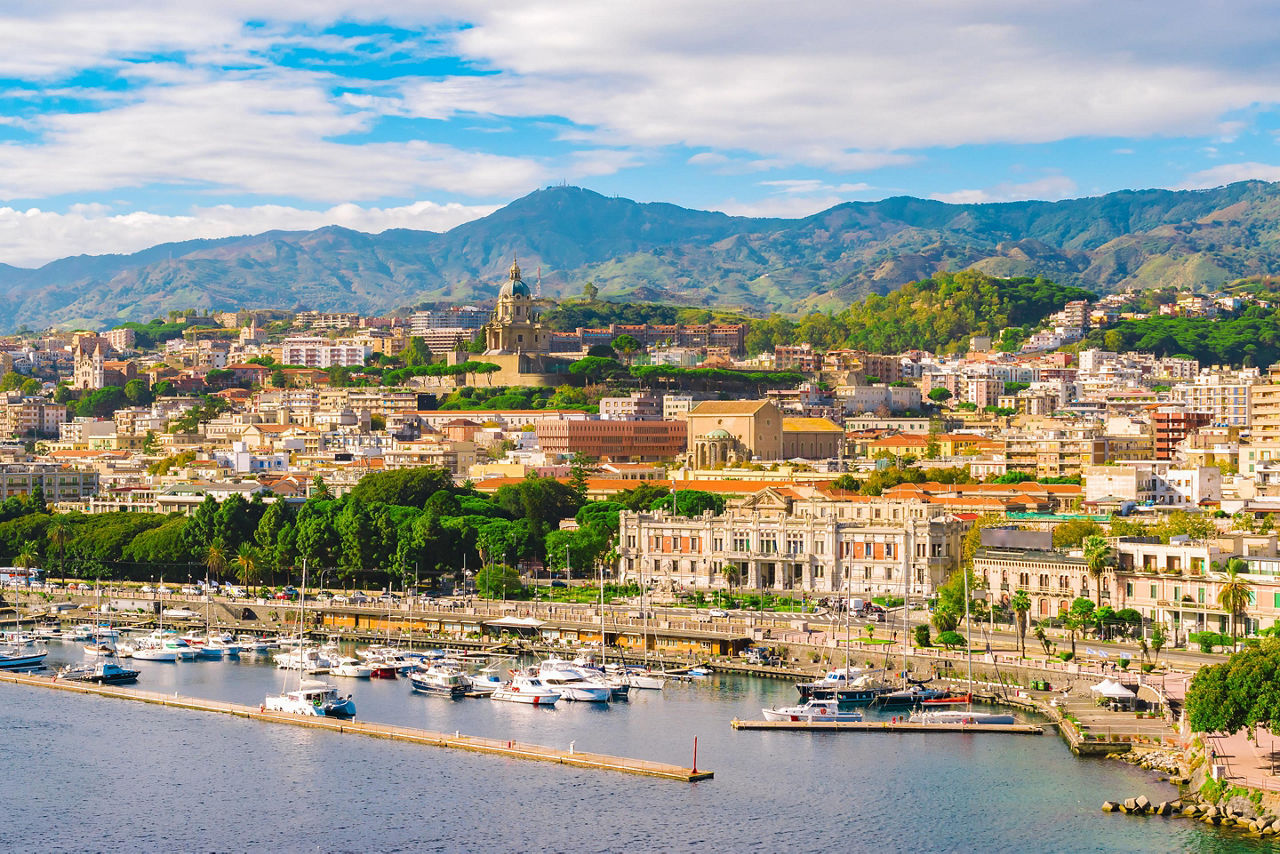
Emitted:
<point x="537" y="287"/>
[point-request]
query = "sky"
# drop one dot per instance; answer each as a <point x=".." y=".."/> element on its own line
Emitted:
<point x="125" y="124"/>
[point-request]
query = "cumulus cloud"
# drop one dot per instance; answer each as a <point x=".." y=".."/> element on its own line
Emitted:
<point x="1050" y="188"/>
<point x="1229" y="173"/>
<point x="32" y="237"/>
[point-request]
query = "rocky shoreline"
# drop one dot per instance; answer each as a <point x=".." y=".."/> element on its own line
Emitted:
<point x="1234" y="817"/>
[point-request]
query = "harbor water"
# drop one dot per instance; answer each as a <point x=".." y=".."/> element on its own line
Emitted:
<point x="86" y="773"/>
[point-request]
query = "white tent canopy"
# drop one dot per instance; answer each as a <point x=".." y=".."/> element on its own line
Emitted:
<point x="515" y="623"/>
<point x="1112" y="690"/>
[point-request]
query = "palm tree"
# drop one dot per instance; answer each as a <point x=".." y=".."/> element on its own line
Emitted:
<point x="1235" y="595"/>
<point x="1073" y="623"/>
<point x="1042" y="634"/>
<point x="247" y="566"/>
<point x="59" y="535"/>
<point x="1097" y="557"/>
<point x="28" y="556"/>
<point x="215" y="559"/>
<point x="1021" y="605"/>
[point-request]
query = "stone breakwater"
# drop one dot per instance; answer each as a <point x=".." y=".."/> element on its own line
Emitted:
<point x="1153" y="760"/>
<point x="1233" y="817"/>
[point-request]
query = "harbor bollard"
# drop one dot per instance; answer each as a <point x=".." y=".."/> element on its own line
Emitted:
<point x="571" y="744"/>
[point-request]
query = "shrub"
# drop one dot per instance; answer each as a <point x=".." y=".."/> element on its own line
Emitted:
<point x="1124" y="663"/>
<point x="922" y="636"/>
<point x="951" y="639"/>
<point x="1066" y="656"/>
<point x="1147" y="668"/>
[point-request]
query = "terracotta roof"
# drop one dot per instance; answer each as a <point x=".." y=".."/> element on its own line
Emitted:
<point x="810" y="425"/>
<point x="729" y="407"/>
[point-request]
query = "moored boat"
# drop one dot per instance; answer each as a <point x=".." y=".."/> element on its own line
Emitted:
<point x="961" y="716"/>
<point x="102" y="672"/>
<point x="350" y="667"/>
<point x="528" y="690"/>
<point x="313" y="698"/>
<point x="813" y="710"/>
<point x="440" y="679"/>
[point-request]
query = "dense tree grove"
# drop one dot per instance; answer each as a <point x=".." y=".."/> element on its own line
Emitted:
<point x="393" y="527"/>
<point x="1241" y="693"/>
<point x="938" y="314"/>
<point x="1251" y="339"/>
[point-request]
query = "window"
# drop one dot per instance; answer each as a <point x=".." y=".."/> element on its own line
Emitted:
<point x="1153" y="591"/>
<point x="742" y="542"/>
<point x="769" y="544"/>
<point x="1128" y="588"/>
<point x="1200" y="595"/>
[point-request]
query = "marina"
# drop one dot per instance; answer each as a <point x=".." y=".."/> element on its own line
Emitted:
<point x="887" y="726"/>
<point x="1038" y="796"/>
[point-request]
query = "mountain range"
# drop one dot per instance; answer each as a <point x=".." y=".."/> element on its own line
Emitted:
<point x="663" y="252"/>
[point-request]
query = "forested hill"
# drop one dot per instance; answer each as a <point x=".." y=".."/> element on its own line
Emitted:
<point x="938" y="314"/>
<point x="664" y="253"/>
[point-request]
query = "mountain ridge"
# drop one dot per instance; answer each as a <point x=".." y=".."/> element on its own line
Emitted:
<point x="658" y="250"/>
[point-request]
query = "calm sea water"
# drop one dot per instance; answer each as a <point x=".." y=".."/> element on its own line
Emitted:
<point x="95" y="774"/>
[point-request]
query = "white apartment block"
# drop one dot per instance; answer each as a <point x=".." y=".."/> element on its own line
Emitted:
<point x="322" y="353"/>
<point x="1226" y="395"/>
<point x="1151" y="482"/>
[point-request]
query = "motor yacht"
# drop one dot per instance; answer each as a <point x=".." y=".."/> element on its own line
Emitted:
<point x="350" y="667"/>
<point x="440" y="679"/>
<point x="573" y="683"/>
<point x="526" y="689"/>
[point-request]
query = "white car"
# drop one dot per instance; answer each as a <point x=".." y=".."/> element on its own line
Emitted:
<point x="340" y="599"/>
<point x="718" y="612"/>
<point x="146" y="588"/>
<point x="232" y="590"/>
<point x="190" y="590"/>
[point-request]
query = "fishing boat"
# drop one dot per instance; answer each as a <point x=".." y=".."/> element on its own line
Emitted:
<point x="526" y="689"/>
<point x="813" y="710"/>
<point x="440" y="679"/>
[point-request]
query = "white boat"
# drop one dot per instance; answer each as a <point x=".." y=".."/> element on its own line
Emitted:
<point x="813" y="710"/>
<point x="961" y="716"/>
<point x="638" y="677"/>
<point x="573" y="683"/>
<point x="99" y="650"/>
<point x="484" y="682"/>
<point x="350" y="667"/>
<point x="306" y="660"/>
<point x="143" y="652"/>
<point x="252" y="645"/>
<point x="49" y="633"/>
<point x="80" y="633"/>
<point x="528" y="690"/>
<point x="313" y="698"/>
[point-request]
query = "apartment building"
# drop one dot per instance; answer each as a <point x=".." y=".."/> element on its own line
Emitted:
<point x="322" y="353"/>
<point x="632" y="440"/>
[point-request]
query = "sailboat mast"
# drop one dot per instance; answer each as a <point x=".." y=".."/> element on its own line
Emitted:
<point x="969" y="634"/>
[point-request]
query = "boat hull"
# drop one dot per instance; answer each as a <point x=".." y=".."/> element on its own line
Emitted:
<point x="21" y="661"/>
<point x="506" y="695"/>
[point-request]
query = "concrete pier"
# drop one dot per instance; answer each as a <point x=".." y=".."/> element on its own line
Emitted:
<point x="457" y="741"/>
<point x="886" y="726"/>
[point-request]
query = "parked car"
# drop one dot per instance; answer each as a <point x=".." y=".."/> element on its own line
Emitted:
<point x="286" y="595"/>
<point x="147" y="588"/>
<point x="718" y="612"/>
<point x="359" y="599"/>
<point x="558" y="583"/>
<point x="232" y="590"/>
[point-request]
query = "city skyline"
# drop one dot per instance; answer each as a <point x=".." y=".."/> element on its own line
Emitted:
<point x="125" y="130"/>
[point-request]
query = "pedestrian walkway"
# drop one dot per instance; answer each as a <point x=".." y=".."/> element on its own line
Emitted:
<point x="1247" y="762"/>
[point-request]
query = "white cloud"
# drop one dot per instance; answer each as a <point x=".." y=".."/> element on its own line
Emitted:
<point x="1229" y="173"/>
<point x="1050" y="188"/>
<point x="33" y="237"/>
<point x="782" y="206"/>
<point x="796" y="186"/>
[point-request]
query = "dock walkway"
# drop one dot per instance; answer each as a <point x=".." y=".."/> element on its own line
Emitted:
<point x="887" y="726"/>
<point x="457" y="741"/>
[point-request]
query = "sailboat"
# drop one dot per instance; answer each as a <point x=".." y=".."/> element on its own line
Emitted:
<point x="966" y="715"/>
<point x="312" y="697"/>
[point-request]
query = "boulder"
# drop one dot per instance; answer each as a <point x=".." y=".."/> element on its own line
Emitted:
<point x="1130" y="804"/>
<point x="1108" y="806"/>
<point x="1190" y="811"/>
<point x="1176" y="804"/>
<point x="1163" y="808"/>
<point x="1142" y="803"/>
<point x="1212" y="811"/>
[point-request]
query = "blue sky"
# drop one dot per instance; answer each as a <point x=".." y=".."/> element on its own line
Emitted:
<point x="123" y="125"/>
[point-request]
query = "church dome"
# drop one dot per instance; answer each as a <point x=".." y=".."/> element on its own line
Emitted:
<point x="720" y="434"/>
<point x="514" y="286"/>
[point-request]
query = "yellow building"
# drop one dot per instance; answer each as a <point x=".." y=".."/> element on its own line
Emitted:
<point x="730" y="432"/>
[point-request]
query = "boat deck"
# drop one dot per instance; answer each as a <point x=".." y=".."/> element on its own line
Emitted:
<point x="887" y="726"/>
<point x="513" y="749"/>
